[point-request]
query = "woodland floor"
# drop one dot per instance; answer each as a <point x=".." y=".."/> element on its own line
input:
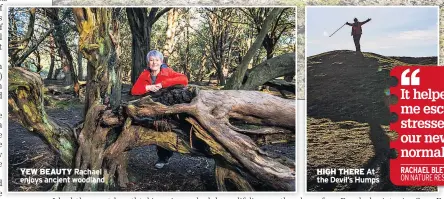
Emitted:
<point x="348" y="119"/>
<point x="183" y="173"/>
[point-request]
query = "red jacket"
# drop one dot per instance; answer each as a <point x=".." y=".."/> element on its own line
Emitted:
<point x="356" y="27"/>
<point x="167" y="77"/>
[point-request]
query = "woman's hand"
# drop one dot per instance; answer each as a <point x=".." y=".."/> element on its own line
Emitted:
<point x="158" y="85"/>
<point x="152" y="88"/>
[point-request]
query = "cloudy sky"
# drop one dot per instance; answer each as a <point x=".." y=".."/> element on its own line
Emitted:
<point x="393" y="31"/>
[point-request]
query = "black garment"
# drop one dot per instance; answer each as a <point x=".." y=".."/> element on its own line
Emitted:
<point x="356" y="39"/>
<point x="163" y="154"/>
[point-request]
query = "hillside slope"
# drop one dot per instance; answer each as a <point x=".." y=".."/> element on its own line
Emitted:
<point x="347" y="118"/>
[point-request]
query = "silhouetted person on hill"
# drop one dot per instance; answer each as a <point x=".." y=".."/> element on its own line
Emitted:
<point x="357" y="32"/>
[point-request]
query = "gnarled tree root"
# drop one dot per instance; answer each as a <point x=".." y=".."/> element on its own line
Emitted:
<point x="223" y="172"/>
<point x="105" y="137"/>
<point x="213" y="109"/>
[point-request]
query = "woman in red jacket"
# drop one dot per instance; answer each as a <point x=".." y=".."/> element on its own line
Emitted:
<point x="157" y="76"/>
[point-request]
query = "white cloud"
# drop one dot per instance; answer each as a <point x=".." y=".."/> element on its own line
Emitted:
<point x="386" y="47"/>
<point x="416" y="35"/>
<point x="401" y="40"/>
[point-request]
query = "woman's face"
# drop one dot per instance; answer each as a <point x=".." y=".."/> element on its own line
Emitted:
<point x="154" y="63"/>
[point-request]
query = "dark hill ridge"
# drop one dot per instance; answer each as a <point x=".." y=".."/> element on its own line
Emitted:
<point x="418" y="60"/>
<point x="347" y="117"/>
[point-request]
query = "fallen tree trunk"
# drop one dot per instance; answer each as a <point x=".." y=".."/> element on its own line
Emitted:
<point x="207" y="126"/>
<point x="27" y="104"/>
<point x="282" y="85"/>
<point x="213" y="109"/>
<point x="270" y="69"/>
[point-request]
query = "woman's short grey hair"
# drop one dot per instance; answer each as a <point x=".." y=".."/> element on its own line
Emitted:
<point x="154" y="53"/>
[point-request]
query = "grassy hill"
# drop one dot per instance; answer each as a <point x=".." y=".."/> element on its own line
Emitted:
<point x="348" y="116"/>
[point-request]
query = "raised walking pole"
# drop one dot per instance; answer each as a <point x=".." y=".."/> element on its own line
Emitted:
<point x="337" y="30"/>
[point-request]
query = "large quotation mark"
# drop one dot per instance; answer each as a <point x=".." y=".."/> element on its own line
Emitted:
<point x="412" y="80"/>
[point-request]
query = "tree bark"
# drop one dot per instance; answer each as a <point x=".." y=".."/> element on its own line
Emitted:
<point x="187" y="66"/>
<point x="172" y="22"/>
<point x="51" y="56"/>
<point x="202" y="67"/>
<point x="99" y="49"/>
<point x="100" y="46"/>
<point x="270" y="69"/>
<point x="141" y="24"/>
<point x="79" y="65"/>
<point x="38" y="61"/>
<point x="26" y="102"/>
<point x="248" y="106"/>
<point x="235" y="82"/>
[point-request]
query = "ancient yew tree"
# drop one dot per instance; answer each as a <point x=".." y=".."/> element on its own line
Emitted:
<point x="141" y="22"/>
<point x="226" y="125"/>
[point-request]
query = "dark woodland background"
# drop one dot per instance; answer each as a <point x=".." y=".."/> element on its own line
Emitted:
<point x="198" y="42"/>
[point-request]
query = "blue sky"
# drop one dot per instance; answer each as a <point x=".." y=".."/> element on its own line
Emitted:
<point x="393" y="31"/>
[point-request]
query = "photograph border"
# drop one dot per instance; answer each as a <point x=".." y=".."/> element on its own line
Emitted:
<point x="169" y="193"/>
<point x="357" y="193"/>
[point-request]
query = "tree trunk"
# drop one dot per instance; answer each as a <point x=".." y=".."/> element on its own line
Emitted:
<point x="100" y="46"/>
<point x="235" y="82"/>
<point x="90" y="73"/>
<point x="51" y="56"/>
<point x="272" y="38"/>
<point x="202" y="67"/>
<point x="116" y="51"/>
<point x="269" y="48"/>
<point x="270" y="69"/>
<point x="79" y="65"/>
<point x="26" y="102"/>
<point x="38" y="61"/>
<point x="187" y="68"/>
<point x="240" y="149"/>
<point x="141" y="24"/>
<point x="172" y="22"/>
<point x="141" y="35"/>
<point x="57" y="72"/>
<point x="220" y="74"/>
